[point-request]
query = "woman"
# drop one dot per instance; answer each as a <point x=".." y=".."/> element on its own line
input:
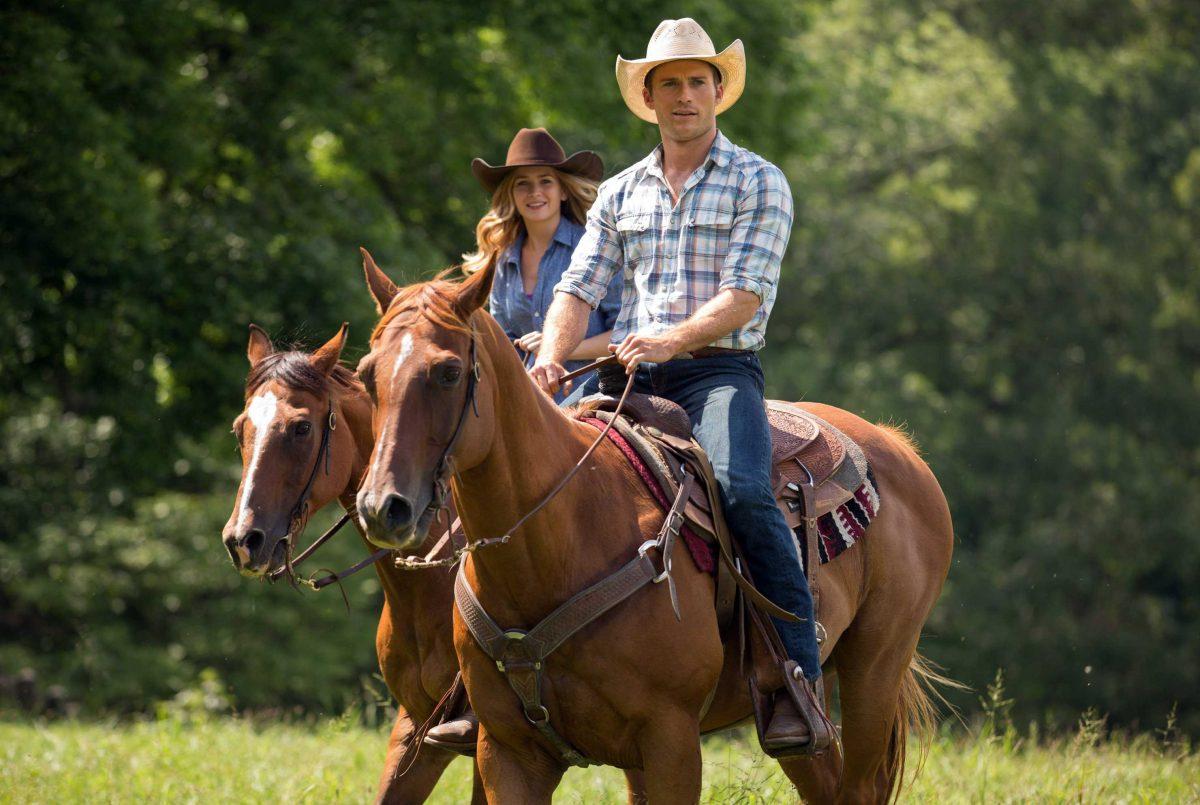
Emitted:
<point x="540" y="199"/>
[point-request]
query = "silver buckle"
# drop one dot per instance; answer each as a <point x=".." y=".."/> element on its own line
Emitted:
<point x="644" y="548"/>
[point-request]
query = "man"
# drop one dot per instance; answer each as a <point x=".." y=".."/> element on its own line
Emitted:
<point x="698" y="228"/>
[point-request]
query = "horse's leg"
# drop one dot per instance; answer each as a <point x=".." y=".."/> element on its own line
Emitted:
<point x="512" y="776"/>
<point x="635" y="781"/>
<point x="406" y="778"/>
<point x="873" y="659"/>
<point x="671" y="762"/>
<point x="816" y="778"/>
<point x="478" y="794"/>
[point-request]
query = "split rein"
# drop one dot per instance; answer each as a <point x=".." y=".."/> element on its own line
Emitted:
<point x="300" y="510"/>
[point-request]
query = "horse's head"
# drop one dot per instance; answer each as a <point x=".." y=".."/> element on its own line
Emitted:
<point x="432" y="413"/>
<point x="295" y="457"/>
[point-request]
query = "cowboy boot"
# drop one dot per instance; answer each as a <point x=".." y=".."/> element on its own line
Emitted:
<point x="798" y="725"/>
<point x="457" y="735"/>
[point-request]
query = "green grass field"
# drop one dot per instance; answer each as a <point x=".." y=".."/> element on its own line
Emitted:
<point x="228" y="760"/>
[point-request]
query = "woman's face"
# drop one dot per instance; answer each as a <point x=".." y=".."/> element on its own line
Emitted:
<point x="537" y="194"/>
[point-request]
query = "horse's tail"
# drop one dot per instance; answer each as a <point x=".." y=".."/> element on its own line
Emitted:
<point x="917" y="714"/>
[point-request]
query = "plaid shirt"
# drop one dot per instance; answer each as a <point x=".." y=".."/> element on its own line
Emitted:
<point x="729" y="230"/>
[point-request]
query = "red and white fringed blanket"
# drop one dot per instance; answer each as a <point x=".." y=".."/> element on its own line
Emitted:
<point x="845" y="525"/>
<point x="839" y="529"/>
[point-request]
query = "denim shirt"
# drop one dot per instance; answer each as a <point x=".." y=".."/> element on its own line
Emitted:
<point x="519" y="314"/>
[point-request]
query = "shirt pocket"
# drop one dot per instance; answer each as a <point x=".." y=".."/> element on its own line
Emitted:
<point x="710" y="231"/>
<point x="637" y="239"/>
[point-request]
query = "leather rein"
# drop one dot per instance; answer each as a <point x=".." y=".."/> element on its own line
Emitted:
<point x="445" y="469"/>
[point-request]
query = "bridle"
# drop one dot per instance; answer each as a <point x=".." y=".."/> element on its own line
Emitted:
<point x="297" y="518"/>
<point x="445" y="464"/>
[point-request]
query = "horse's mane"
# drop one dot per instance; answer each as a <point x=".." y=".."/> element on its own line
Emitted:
<point x="433" y="299"/>
<point x="295" y="371"/>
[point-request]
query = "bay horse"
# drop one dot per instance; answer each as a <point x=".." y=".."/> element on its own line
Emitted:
<point x="290" y="398"/>
<point x="628" y="690"/>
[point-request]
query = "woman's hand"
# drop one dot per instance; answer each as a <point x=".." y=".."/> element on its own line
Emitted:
<point x="530" y="342"/>
<point x="547" y="376"/>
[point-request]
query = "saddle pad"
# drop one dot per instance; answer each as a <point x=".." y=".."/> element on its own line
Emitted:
<point x="703" y="555"/>
<point x="845" y="525"/>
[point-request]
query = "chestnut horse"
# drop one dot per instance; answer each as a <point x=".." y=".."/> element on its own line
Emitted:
<point x="630" y="689"/>
<point x="289" y="396"/>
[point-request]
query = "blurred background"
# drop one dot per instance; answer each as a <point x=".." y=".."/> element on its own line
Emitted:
<point x="995" y="245"/>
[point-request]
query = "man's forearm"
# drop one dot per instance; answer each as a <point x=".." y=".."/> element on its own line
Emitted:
<point x="716" y="318"/>
<point x="592" y="347"/>
<point x="566" y="324"/>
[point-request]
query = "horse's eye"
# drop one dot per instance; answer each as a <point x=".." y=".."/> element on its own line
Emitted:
<point x="449" y="375"/>
<point x="303" y="428"/>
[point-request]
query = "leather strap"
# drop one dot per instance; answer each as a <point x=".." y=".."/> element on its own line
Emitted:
<point x="812" y="556"/>
<point x="550" y="633"/>
<point x="695" y="458"/>
<point x="520" y="654"/>
<point x="713" y="352"/>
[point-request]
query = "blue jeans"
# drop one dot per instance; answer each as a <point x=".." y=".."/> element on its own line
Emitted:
<point x="723" y="396"/>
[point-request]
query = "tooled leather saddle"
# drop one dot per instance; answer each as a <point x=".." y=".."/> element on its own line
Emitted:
<point x="815" y="469"/>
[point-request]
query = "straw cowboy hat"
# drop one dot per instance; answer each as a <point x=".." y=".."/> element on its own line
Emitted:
<point x="675" y="40"/>
<point x="533" y="147"/>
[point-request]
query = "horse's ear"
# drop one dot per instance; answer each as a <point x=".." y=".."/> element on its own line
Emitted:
<point x="325" y="358"/>
<point x="382" y="288"/>
<point x="260" y="345"/>
<point x="474" y="290"/>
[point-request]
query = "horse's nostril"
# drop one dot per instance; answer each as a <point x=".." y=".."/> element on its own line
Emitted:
<point x="397" y="512"/>
<point x="231" y="547"/>
<point x="254" y="541"/>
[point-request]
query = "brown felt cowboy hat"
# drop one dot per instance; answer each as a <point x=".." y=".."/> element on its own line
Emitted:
<point x="536" y="147"/>
<point x="679" y="40"/>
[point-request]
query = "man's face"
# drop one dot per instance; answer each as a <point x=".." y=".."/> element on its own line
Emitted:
<point x="685" y="96"/>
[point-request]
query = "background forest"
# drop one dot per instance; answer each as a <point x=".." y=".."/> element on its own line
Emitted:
<point x="996" y="244"/>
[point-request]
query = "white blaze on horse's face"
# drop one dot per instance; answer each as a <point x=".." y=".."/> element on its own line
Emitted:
<point x="406" y="349"/>
<point x="262" y="412"/>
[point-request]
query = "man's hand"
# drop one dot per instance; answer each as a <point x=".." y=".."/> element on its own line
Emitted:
<point x="635" y="349"/>
<point x="530" y="342"/>
<point x="547" y="373"/>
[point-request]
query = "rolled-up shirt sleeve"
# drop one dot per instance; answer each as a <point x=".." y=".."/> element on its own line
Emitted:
<point x="761" y="228"/>
<point x="598" y="257"/>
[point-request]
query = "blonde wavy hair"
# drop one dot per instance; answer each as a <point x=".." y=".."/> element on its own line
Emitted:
<point x="499" y="227"/>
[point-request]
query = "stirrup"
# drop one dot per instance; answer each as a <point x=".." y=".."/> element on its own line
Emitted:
<point x="804" y="697"/>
